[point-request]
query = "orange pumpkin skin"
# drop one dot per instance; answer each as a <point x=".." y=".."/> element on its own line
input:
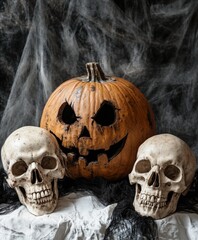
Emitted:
<point x="100" y="122"/>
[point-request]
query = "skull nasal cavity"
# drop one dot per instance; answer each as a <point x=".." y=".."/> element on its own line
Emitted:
<point x="154" y="180"/>
<point x="84" y="132"/>
<point x="36" y="177"/>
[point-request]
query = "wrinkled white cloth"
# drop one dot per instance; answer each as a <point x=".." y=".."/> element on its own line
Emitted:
<point x="80" y="216"/>
<point x="77" y="216"/>
<point x="178" y="226"/>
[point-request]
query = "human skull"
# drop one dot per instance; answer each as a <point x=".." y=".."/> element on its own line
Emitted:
<point x="33" y="162"/>
<point x="164" y="170"/>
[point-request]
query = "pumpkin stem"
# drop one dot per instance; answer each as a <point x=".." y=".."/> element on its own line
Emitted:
<point x="95" y="73"/>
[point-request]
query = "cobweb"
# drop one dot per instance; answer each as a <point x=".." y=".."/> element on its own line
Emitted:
<point x="151" y="43"/>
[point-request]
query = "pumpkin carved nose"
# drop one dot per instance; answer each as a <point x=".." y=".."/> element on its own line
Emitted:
<point x="84" y="132"/>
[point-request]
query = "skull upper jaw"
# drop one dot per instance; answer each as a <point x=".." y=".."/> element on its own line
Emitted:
<point x="157" y="205"/>
<point x="39" y="202"/>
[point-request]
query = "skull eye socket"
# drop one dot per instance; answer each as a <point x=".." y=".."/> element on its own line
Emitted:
<point x="66" y="114"/>
<point x="172" y="172"/>
<point x="48" y="163"/>
<point x="19" y="168"/>
<point x="106" y="114"/>
<point x="143" y="166"/>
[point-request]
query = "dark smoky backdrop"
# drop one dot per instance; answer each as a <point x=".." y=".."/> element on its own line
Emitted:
<point x="152" y="43"/>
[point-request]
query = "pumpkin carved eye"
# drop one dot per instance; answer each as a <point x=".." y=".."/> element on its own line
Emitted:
<point x="66" y="114"/>
<point x="106" y="114"/>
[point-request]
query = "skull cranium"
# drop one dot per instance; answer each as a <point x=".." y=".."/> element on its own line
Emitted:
<point x="164" y="170"/>
<point x="33" y="162"/>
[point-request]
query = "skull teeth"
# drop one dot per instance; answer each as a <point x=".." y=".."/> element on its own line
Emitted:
<point x="44" y="195"/>
<point x="150" y="201"/>
<point x="44" y="200"/>
<point x="151" y="204"/>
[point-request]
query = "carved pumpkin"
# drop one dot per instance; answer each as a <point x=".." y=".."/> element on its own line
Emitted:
<point x="100" y="121"/>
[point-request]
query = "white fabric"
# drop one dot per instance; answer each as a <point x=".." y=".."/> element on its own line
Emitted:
<point x="81" y="216"/>
<point x="178" y="226"/>
<point x="77" y="216"/>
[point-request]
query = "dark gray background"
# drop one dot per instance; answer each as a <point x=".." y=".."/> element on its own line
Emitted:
<point x="151" y="43"/>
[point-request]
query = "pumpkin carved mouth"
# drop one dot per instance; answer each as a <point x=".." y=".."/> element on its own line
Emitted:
<point x="93" y="155"/>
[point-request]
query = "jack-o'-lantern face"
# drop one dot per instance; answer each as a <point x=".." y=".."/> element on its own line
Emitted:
<point x="91" y="127"/>
<point x="99" y="122"/>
